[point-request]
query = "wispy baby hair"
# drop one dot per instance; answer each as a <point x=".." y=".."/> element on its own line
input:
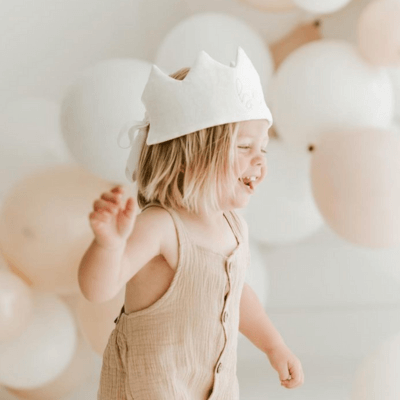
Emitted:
<point x="190" y="171"/>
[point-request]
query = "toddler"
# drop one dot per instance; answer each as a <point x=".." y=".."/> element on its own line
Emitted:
<point x="198" y="155"/>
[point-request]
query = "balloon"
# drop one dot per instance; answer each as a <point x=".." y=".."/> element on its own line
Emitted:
<point x="15" y="305"/>
<point x="78" y="371"/>
<point x="355" y="181"/>
<point x="30" y="138"/>
<point x="325" y="86"/>
<point x="96" y="320"/>
<point x="282" y="210"/>
<point x="379" y="32"/>
<point x="272" y="5"/>
<point x="318" y="6"/>
<point x="377" y="377"/>
<point x="219" y="35"/>
<point x="303" y="34"/>
<point x="44" y="225"/>
<point x="101" y="101"/>
<point x="45" y="347"/>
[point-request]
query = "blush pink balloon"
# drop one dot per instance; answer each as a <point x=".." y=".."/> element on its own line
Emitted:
<point x="96" y="320"/>
<point x="378" y="32"/>
<point x="44" y="225"/>
<point x="356" y="185"/>
<point x="15" y="305"/>
<point x="79" y="370"/>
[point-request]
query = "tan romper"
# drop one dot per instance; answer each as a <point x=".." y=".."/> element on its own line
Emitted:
<point x="183" y="346"/>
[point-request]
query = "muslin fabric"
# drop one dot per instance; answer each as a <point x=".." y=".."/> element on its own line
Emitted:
<point x="183" y="346"/>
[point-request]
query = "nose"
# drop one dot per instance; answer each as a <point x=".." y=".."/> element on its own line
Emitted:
<point x="258" y="159"/>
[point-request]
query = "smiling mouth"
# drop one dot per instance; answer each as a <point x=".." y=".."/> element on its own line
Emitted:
<point x="249" y="187"/>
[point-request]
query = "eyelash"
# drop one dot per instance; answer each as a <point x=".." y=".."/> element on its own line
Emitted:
<point x="246" y="147"/>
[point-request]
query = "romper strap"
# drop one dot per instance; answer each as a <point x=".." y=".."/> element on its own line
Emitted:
<point x="179" y="225"/>
<point x="119" y="316"/>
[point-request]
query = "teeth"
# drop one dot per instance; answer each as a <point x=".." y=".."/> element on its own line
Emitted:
<point x="249" y="178"/>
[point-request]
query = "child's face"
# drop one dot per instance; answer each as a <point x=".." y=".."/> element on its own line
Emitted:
<point x="251" y="146"/>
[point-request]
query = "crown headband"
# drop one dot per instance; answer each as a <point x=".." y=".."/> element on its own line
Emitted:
<point x="210" y="94"/>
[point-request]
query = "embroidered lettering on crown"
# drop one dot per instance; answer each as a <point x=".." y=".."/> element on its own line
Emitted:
<point x="247" y="98"/>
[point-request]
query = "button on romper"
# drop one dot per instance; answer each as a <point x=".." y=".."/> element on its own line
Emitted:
<point x="183" y="346"/>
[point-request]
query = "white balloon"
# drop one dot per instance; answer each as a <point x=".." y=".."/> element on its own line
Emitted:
<point x="325" y="86"/>
<point x="219" y="35"/>
<point x="95" y="108"/>
<point x="30" y="138"/>
<point x="318" y="6"/>
<point x="378" y="376"/>
<point x="282" y="209"/>
<point x="44" y="349"/>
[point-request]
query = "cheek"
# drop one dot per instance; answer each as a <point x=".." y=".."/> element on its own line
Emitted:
<point x="264" y="169"/>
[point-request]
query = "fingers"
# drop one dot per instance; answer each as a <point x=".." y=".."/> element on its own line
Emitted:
<point x="114" y="195"/>
<point x="130" y="208"/>
<point x="109" y="201"/>
<point x="296" y="377"/>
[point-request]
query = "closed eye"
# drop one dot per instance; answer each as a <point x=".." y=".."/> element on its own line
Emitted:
<point x="246" y="147"/>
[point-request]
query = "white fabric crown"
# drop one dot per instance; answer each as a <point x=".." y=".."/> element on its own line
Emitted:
<point x="211" y="94"/>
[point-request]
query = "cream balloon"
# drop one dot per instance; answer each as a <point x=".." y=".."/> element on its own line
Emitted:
<point x="78" y="371"/>
<point x="282" y="209"/>
<point x="327" y="86"/>
<point x="378" y="375"/>
<point x="30" y="138"/>
<point x="323" y="7"/>
<point x="355" y="181"/>
<point x="96" y="320"/>
<point x="271" y="5"/>
<point x="378" y="31"/>
<point x="44" y="225"/>
<point x="15" y="305"/>
<point x="219" y="35"/>
<point x="101" y="101"/>
<point x="45" y="347"/>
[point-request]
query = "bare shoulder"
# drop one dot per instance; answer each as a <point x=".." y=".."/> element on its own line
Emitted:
<point x="168" y="246"/>
<point x="150" y="238"/>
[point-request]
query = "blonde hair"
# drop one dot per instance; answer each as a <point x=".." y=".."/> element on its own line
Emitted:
<point x="191" y="171"/>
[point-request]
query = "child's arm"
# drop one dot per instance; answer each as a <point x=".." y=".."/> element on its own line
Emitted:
<point x="109" y="264"/>
<point x="255" y="323"/>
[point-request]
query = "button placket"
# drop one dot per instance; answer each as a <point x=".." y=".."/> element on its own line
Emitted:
<point x="219" y="368"/>
<point x="225" y="317"/>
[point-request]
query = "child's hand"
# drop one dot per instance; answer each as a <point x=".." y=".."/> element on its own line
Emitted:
<point x="110" y="222"/>
<point x="288" y="366"/>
